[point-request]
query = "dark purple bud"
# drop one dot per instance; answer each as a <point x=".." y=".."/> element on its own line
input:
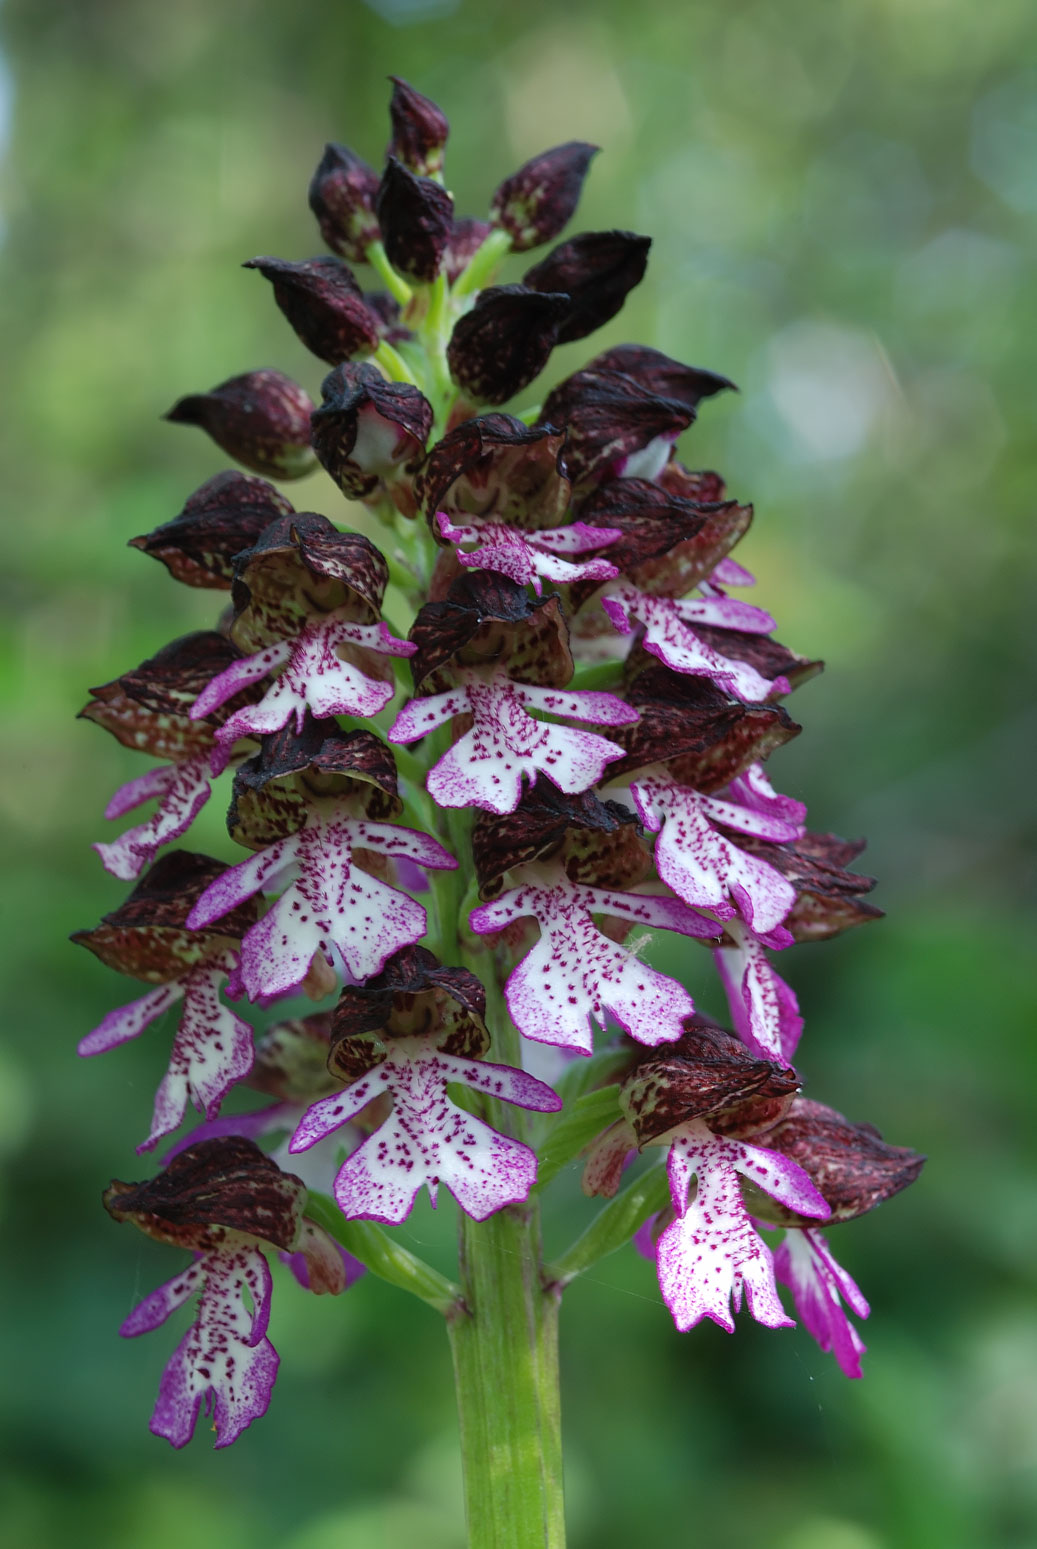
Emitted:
<point x="291" y="1062"/>
<point x="598" y="842"/>
<point x="214" y="1186"/>
<point x="261" y="419"/>
<point x="147" y="938"/>
<point x="342" y="195"/>
<point x="370" y="434"/>
<point x="487" y="618"/>
<point x="224" y="516"/>
<point x="597" y="270"/>
<point x="658" y="373"/>
<point x="850" y="1164"/>
<point x="534" y="203"/>
<point x="707" y="1073"/>
<point x="769" y="657"/>
<point x="413" y="996"/>
<point x="467" y="236"/>
<point x="419" y="129"/>
<point x="275" y="791"/>
<point x="610" y="418"/>
<point x="668" y="545"/>
<point x="149" y="708"/>
<point x="496" y="466"/>
<point x="498" y="347"/>
<point x="416" y="217"/>
<point x="828" y="897"/>
<point x="300" y="565"/>
<point x="702" y="736"/>
<point x="324" y="304"/>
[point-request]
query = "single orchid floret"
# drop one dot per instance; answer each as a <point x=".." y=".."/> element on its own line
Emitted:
<point x="505" y="340"/>
<point x="223" y="517"/>
<point x="575" y="976"/>
<point x="148" y="938"/>
<point x="497" y="468"/>
<point x="596" y="270"/>
<point x="710" y="1252"/>
<point x="534" y="203"/>
<point x="427" y="1139"/>
<point x="261" y="419"/>
<point x="416" y="216"/>
<point x="670" y="636"/>
<point x="828" y="896"/>
<point x="700" y="864"/>
<point x="419" y="129"/>
<point x="313" y="675"/>
<point x="484" y="767"/>
<point x="764" y="1008"/>
<point x="752" y="788"/>
<point x="342" y="194"/>
<point x="615" y="426"/>
<point x="525" y="557"/>
<point x="227" y="1202"/>
<point x="329" y="905"/>
<point x="370" y="434"/>
<point x="820" y="1287"/>
<point x="324" y="304"/>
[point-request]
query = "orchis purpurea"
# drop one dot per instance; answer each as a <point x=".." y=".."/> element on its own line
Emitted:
<point x="477" y="765"/>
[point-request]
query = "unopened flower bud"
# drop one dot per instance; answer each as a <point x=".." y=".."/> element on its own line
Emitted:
<point x="416" y="216"/>
<point x="597" y="270"/>
<point x="369" y="430"/>
<point x="498" y="347"/>
<point x="324" y="304"/>
<point x="261" y="419"/>
<point x="223" y="517"/>
<point x="419" y="129"/>
<point x="342" y="196"/>
<point x="534" y="203"/>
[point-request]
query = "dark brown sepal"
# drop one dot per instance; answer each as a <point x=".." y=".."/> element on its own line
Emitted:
<point x="147" y="938"/>
<point x="224" y="516"/>
<point x="597" y="270"/>
<point x="498" y="347"/>
<point x="324" y="304"/>
<point x="467" y="235"/>
<point x="261" y="419"/>
<point x="488" y="619"/>
<point x="213" y="1187"/>
<point x="850" y="1164"/>
<point x="342" y="195"/>
<point x="707" y="1073"/>
<point x="537" y="201"/>
<point x="668" y="545"/>
<point x="413" y="997"/>
<point x="659" y="373"/>
<point x="300" y="566"/>
<point x="416" y="215"/>
<point x="702" y="485"/>
<point x="609" y="417"/>
<point x="369" y="431"/>
<point x="419" y="129"/>
<point x="291" y="1062"/>
<point x="274" y="791"/>
<point x="828" y="897"/>
<point x="702" y="736"/>
<point x="770" y="658"/>
<point x="148" y="708"/>
<point x="496" y="466"/>
<point x="597" y="842"/>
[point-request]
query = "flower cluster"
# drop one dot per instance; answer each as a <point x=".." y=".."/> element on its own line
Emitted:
<point x="474" y="767"/>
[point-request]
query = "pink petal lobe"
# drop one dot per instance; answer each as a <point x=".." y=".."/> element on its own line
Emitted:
<point x="819" y="1287"/>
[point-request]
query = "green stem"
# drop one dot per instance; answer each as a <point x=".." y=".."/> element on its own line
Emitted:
<point x="482" y="263"/>
<point x="385" y="1257"/>
<point x="612" y="1227"/>
<point x="394" y="283"/>
<point x="505" y="1348"/>
<point x="394" y="365"/>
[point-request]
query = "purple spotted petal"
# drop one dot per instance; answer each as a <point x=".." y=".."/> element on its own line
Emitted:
<point x="484" y="768"/>
<point x="182" y="791"/>
<point x="129" y="1021"/>
<point x="239" y="675"/>
<point x="675" y="643"/>
<point x="730" y="573"/>
<point x="526" y="557"/>
<point x="764" y="1008"/>
<point x="819" y="1287"/>
<point x="224" y="1361"/>
<point x="753" y="789"/>
<point x="699" y="864"/>
<point x="153" y="1311"/>
<point x="212" y="1051"/>
<point x="575" y="977"/>
<point x="710" y="1253"/>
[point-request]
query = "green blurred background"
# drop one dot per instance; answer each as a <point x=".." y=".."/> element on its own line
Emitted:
<point x="842" y="196"/>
